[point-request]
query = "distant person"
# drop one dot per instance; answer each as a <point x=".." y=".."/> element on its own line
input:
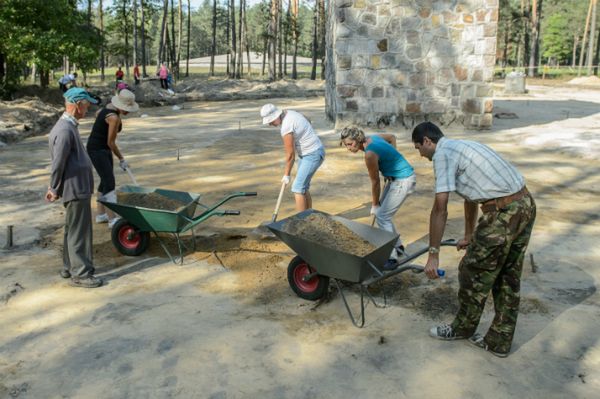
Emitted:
<point x="72" y="180"/>
<point x="381" y="156"/>
<point x="122" y="86"/>
<point x="102" y="144"/>
<point x="163" y="74"/>
<point x="119" y="76"/>
<point x="136" y="74"/>
<point x="300" y="138"/>
<point x="67" y="80"/>
<point x="495" y="243"/>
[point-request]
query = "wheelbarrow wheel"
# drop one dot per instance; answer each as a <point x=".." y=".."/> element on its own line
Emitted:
<point x="313" y="289"/>
<point x="128" y="239"/>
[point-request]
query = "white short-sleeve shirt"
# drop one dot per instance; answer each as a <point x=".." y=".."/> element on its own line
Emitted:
<point x="306" y="140"/>
<point x="473" y="170"/>
<point x="67" y="79"/>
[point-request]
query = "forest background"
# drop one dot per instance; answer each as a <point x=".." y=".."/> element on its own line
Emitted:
<point x="45" y="38"/>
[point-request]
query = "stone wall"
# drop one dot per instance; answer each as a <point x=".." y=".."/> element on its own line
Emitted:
<point x="395" y="62"/>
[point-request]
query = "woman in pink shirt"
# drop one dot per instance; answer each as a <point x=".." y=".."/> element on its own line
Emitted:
<point x="163" y="73"/>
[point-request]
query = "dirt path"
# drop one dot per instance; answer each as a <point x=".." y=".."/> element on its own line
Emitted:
<point x="226" y="324"/>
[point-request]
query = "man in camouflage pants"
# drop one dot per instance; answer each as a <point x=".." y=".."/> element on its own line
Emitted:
<point x="495" y="246"/>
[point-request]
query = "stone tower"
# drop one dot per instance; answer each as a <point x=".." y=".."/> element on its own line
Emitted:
<point x="393" y="62"/>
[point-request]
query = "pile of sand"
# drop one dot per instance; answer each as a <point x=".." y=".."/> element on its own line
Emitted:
<point x="27" y="116"/>
<point x="585" y="81"/>
<point x="322" y="229"/>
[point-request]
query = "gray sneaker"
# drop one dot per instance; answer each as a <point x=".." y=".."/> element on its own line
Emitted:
<point x="85" y="282"/>
<point x="444" y="332"/>
<point x="479" y="341"/>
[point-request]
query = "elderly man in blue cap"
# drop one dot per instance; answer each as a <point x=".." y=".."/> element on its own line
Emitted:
<point x="71" y="179"/>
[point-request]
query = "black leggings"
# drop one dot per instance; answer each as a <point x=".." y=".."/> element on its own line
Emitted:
<point x="103" y="163"/>
<point x="164" y="84"/>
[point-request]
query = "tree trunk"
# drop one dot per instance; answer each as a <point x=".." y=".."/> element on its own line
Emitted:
<point x="89" y="12"/>
<point x="44" y="78"/>
<point x="505" y="50"/>
<point x="180" y="25"/>
<point x="265" y="51"/>
<point x="240" y="52"/>
<point x="536" y="13"/>
<point x="126" y="36"/>
<point x="2" y="70"/>
<point x="135" y="35"/>
<point x="590" y="54"/>
<point x="161" y="46"/>
<point x="315" y="45"/>
<point x="246" y="39"/>
<point x="228" y="32"/>
<point x="213" y="46"/>
<point x="273" y="39"/>
<point x="574" y="56"/>
<point x="322" y="22"/>
<point x="286" y="37"/>
<point x="279" y="40"/>
<point x="585" y="31"/>
<point x="233" y="40"/>
<point x="144" y="74"/>
<point x="101" y="16"/>
<point x="189" y="28"/>
<point x="295" y="38"/>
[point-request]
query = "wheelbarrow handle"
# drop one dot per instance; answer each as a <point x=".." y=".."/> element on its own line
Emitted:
<point x="250" y="194"/>
<point x="229" y="213"/>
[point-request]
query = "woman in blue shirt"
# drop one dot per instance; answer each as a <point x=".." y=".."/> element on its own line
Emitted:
<point x="382" y="156"/>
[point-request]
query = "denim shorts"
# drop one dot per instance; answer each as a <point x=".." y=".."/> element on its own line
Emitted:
<point x="307" y="166"/>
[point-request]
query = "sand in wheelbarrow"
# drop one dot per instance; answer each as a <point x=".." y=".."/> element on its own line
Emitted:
<point x="150" y="200"/>
<point x="328" y="232"/>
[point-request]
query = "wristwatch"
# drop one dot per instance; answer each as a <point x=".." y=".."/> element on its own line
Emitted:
<point x="434" y="250"/>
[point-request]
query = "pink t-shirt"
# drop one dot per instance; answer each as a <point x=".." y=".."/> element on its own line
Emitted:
<point x="163" y="73"/>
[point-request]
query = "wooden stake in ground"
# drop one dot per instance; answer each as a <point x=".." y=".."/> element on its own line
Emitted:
<point x="585" y="31"/>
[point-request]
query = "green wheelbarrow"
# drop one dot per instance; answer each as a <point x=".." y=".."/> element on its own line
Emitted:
<point x="131" y="234"/>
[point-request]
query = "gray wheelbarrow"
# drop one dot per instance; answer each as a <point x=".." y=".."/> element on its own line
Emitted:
<point x="310" y="271"/>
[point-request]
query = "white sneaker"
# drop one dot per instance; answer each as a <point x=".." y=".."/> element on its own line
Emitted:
<point x="112" y="222"/>
<point x="103" y="218"/>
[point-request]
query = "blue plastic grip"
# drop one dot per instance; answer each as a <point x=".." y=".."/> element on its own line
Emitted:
<point x="441" y="272"/>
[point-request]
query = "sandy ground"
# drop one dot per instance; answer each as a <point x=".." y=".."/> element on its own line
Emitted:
<point x="225" y="324"/>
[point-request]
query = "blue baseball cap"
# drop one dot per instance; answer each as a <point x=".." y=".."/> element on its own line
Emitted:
<point x="75" y="94"/>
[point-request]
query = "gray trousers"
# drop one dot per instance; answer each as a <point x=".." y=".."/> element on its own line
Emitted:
<point x="393" y="197"/>
<point x="77" y="250"/>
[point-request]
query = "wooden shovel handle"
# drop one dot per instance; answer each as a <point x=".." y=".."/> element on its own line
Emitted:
<point x="276" y="211"/>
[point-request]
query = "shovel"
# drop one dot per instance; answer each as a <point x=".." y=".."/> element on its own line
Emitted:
<point x="262" y="230"/>
<point x="131" y="176"/>
<point x="381" y="197"/>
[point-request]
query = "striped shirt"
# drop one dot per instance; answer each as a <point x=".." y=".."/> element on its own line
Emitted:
<point x="475" y="171"/>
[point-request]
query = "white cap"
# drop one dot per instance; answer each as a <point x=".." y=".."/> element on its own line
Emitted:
<point x="269" y="113"/>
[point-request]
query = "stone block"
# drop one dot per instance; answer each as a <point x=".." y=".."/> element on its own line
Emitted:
<point x="346" y="91"/>
<point x="344" y="62"/>
<point x="417" y="80"/>
<point x="436" y="21"/>
<point x="471" y="106"/>
<point x="375" y="61"/>
<point x="494" y="15"/>
<point x="489" y="46"/>
<point x="435" y="106"/>
<point x="342" y="31"/>
<point x="361" y="61"/>
<point x="399" y="78"/>
<point x="413" y="108"/>
<point x="490" y="30"/>
<point x="424" y="12"/>
<point x="360" y="4"/>
<point x="477" y="75"/>
<point x="484" y="91"/>
<point x="460" y="73"/>
<point x="351" y="105"/>
<point x="411" y="96"/>
<point x="377" y="92"/>
<point x="411" y="23"/>
<point x="480" y="15"/>
<point x="455" y="90"/>
<point x="412" y="36"/>
<point x="413" y="52"/>
<point x="445" y="75"/>
<point x="369" y="19"/>
<point x="486" y="121"/>
<point x="363" y="31"/>
<point x="488" y="106"/>
<point x="383" y="11"/>
<point x="343" y="3"/>
<point x="382" y="45"/>
<point x="449" y="17"/>
<point x="389" y="60"/>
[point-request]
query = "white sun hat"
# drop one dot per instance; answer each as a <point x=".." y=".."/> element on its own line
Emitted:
<point x="269" y="113"/>
<point x="125" y="101"/>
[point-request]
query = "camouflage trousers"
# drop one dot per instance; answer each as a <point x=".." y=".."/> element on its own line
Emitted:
<point x="494" y="262"/>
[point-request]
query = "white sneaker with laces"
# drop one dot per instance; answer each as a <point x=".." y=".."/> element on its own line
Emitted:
<point x="102" y="218"/>
<point x="444" y="332"/>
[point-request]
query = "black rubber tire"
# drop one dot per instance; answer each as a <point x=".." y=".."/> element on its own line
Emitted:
<point x="128" y="239"/>
<point x="312" y="290"/>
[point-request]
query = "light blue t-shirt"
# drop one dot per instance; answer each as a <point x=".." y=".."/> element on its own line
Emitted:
<point x="391" y="162"/>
